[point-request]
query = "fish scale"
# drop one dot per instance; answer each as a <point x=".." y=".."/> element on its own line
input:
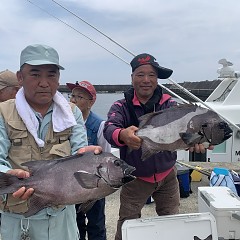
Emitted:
<point x="180" y="127"/>
<point x="81" y="178"/>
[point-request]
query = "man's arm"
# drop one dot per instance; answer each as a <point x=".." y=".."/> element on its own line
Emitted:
<point x="114" y="124"/>
<point x="115" y="130"/>
<point x="4" y="147"/>
<point x="78" y="138"/>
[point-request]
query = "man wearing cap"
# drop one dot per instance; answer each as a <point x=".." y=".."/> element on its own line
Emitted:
<point x="84" y="96"/>
<point x="8" y="85"/>
<point x="156" y="176"/>
<point x="39" y="125"/>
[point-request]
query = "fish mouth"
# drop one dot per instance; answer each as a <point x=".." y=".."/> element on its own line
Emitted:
<point x="125" y="180"/>
<point x="227" y="130"/>
<point x="128" y="179"/>
<point x="127" y="170"/>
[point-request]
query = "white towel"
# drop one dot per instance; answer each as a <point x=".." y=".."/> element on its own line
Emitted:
<point x="62" y="117"/>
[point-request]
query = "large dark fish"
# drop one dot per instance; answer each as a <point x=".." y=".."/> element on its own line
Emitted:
<point x="181" y="127"/>
<point x="77" y="179"/>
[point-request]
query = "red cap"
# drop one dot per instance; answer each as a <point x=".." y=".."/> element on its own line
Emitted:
<point x="86" y="86"/>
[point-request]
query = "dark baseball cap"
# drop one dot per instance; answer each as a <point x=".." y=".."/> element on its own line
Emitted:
<point x="145" y="58"/>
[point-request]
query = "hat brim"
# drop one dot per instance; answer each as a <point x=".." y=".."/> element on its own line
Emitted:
<point x="41" y="62"/>
<point x="72" y="86"/>
<point x="163" y="73"/>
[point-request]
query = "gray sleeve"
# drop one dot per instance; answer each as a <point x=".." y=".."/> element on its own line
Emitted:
<point x="4" y="147"/>
<point x="78" y="138"/>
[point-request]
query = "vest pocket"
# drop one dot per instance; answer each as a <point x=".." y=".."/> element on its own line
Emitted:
<point x="20" y="150"/>
<point x="17" y="131"/>
<point x="62" y="149"/>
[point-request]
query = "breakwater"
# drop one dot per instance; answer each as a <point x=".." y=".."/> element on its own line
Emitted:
<point x="200" y="89"/>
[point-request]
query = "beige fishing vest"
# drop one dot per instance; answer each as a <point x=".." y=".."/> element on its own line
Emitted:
<point x="24" y="148"/>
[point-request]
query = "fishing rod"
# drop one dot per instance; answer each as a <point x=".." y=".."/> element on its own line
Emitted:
<point x="173" y="93"/>
<point x="173" y="82"/>
<point x="202" y="102"/>
<point x="199" y="169"/>
<point x="95" y="28"/>
<point x="68" y="25"/>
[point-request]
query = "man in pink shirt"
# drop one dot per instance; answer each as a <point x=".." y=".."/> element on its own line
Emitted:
<point x="156" y="176"/>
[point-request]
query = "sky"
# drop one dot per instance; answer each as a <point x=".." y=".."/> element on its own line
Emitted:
<point x="188" y="36"/>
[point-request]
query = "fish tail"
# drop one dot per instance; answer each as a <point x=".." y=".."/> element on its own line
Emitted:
<point x="8" y="183"/>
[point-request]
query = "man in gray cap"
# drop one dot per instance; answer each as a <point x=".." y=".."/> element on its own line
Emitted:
<point x="40" y="124"/>
<point x="8" y="85"/>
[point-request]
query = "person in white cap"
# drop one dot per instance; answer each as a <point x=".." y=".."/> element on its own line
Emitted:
<point x="84" y="96"/>
<point x="40" y="124"/>
<point x="8" y="85"/>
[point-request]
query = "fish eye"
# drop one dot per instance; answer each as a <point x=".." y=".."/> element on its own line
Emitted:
<point x="204" y="125"/>
<point x="117" y="163"/>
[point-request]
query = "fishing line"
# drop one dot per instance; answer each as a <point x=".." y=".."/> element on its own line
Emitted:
<point x="68" y="25"/>
<point x="173" y="82"/>
<point x="203" y="103"/>
<point x="118" y="44"/>
<point x="95" y="28"/>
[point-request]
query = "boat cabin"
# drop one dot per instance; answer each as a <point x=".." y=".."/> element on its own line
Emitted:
<point x="225" y="100"/>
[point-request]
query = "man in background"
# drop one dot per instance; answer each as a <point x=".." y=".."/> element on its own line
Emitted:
<point x="8" y="85"/>
<point x="84" y="96"/>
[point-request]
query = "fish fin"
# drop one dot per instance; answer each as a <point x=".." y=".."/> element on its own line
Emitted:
<point x="8" y="183"/>
<point x="87" y="180"/>
<point x="35" y="204"/>
<point x="148" y="149"/>
<point x="85" y="207"/>
<point x="145" y="118"/>
<point x="190" y="138"/>
<point x="34" y="166"/>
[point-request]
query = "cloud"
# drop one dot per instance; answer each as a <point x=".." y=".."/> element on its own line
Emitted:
<point x="187" y="36"/>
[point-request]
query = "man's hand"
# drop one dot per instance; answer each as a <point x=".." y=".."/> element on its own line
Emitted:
<point x="199" y="148"/>
<point x="90" y="148"/>
<point x="129" y="137"/>
<point x="22" y="192"/>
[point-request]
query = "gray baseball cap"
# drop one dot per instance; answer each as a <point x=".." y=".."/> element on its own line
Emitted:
<point x="39" y="54"/>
